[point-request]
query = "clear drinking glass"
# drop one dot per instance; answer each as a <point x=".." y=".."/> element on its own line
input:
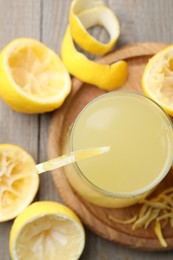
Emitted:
<point x="140" y="137"/>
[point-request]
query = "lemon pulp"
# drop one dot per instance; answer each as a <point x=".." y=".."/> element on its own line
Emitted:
<point x="35" y="72"/>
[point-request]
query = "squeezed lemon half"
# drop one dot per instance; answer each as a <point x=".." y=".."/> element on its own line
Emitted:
<point x="19" y="181"/>
<point x="33" y="78"/>
<point x="47" y="230"/>
<point x="157" y="79"/>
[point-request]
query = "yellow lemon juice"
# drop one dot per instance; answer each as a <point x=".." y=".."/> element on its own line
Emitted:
<point x="139" y="134"/>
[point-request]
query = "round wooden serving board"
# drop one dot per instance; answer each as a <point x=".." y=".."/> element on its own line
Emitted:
<point x="94" y="217"/>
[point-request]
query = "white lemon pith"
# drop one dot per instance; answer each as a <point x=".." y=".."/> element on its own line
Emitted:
<point x="47" y="230"/>
<point x="19" y="181"/>
<point x="33" y="78"/>
<point x="157" y="79"/>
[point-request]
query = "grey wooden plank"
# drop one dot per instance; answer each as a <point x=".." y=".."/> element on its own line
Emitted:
<point x="47" y="189"/>
<point x="144" y="20"/>
<point x="54" y="22"/>
<point x="17" y="19"/>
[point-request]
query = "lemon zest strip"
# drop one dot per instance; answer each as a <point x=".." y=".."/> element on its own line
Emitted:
<point x="158" y="209"/>
<point x="128" y="221"/>
<point x="106" y="77"/>
<point x="159" y="234"/>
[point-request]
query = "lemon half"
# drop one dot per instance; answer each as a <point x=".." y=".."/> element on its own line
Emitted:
<point x="19" y="181"/>
<point x="157" y="79"/>
<point x="33" y="78"/>
<point x="47" y="230"/>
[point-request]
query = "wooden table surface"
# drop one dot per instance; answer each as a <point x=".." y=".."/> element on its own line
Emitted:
<point x="46" y="20"/>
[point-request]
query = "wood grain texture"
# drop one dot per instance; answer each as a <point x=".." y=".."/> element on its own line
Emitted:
<point x="17" y="19"/>
<point x="141" y="21"/>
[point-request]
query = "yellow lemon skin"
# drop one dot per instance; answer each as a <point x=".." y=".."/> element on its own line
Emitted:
<point x="14" y="95"/>
<point x="107" y="77"/>
<point x="37" y="210"/>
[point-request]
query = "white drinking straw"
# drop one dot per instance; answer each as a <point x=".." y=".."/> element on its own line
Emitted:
<point x="71" y="158"/>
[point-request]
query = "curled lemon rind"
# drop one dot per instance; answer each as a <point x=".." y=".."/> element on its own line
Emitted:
<point x="107" y="77"/>
<point x="85" y="15"/>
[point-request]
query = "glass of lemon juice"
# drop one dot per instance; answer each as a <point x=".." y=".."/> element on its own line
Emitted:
<point x="140" y="137"/>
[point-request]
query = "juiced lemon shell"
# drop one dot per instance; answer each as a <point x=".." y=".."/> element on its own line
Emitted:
<point x="47" y="230"/>
<point x="157" y="80"/>
<point x="33" y="78"/>
<point x="19" y="181"/>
